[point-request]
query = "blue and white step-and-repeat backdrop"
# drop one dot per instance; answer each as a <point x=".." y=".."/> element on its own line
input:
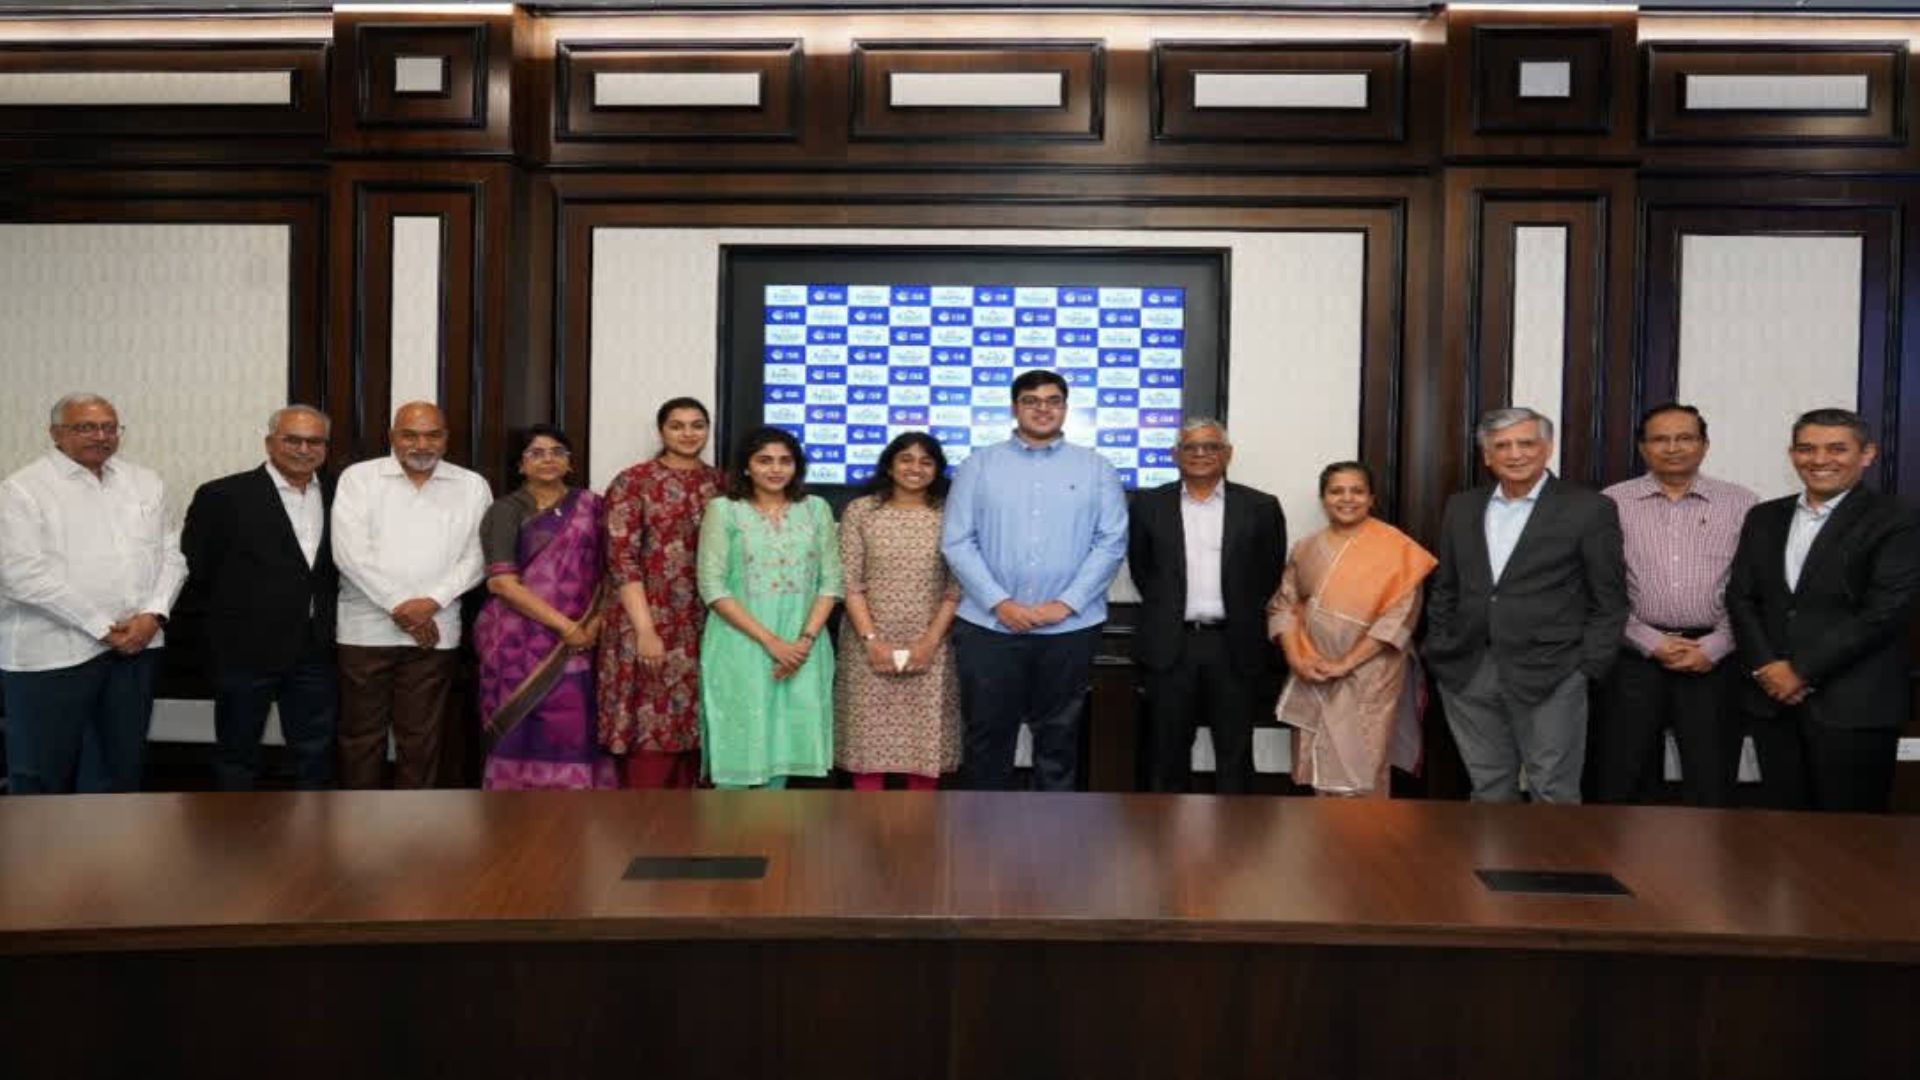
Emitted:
<point x="847" y="368"/>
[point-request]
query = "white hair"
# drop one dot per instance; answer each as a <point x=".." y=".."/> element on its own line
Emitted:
<point x="73" y="400"/>
<point x="1501" y="419"/>
<point x="1195" y="423"/>
<point x="273" y="422"/>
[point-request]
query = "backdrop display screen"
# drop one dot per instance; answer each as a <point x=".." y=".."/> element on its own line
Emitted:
<point x="848" y="350"/>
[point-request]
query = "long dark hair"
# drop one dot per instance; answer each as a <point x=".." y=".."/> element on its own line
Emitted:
<point x="880" y="485"/>
<point x="740" y="485"/>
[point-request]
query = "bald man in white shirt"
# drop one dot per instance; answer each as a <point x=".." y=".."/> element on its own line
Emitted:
<point x="89" y="569"/>
<point x="406" y="538"/>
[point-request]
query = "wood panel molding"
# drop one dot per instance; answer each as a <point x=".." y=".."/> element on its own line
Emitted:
<point x="472" y="112"/>
<point x="777" y="66"/>
<point x="132" y="131"/>
<point x="1079" y="116"/>
<point x="1177" y="67"/>
<point x="1672" y="117"/>
<point x="1491" y="113"/>
<point x="473" y="203"/>
<point x="1881" y="216"/>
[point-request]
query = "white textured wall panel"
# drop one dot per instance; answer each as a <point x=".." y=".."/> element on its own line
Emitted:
<point x="419" y="74"/>
<point x="676" y="89"/>
<point x="976" y="89"/>
<point x="1280" y="90"/>
<point x="184" y="327"/>
<point x="1293" y="368"/>
<point x="415" y="371"/>
<point x="1540" y="322"/>
<point x="146" y="88"/>
<point x="1785" y="93"/>
<point x="1546" y="78"/>
<point x="1769" y="328"/>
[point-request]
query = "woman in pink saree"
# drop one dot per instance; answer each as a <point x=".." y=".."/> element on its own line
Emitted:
<point x="1344" y="616"/>
<point x="535" y="636"/>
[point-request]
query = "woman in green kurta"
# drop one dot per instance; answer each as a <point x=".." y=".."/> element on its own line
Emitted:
<point x="770" y="569"/>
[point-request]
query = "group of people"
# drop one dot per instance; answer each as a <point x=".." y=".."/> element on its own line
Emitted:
<point x="672" y="631"/>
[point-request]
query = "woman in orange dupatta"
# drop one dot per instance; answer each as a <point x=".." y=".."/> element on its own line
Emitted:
<point x="1344" y="616"/>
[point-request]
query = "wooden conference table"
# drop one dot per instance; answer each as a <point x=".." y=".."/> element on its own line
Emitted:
<point x="964" y="935"/>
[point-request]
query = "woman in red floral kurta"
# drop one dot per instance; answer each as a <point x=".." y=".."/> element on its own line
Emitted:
<point x="649" y="675"/>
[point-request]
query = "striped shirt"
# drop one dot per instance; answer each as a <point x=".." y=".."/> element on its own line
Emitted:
<point x="1679" y="552"/>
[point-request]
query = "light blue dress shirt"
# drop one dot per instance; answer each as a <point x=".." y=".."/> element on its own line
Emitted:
<point x="1034" y="524"/>
<point x="1807" y="523"/>
<point x="1506" y="519"/>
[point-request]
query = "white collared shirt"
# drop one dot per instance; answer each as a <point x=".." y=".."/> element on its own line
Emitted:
<point x="1203" y="524"/>
<point x="1506" y="519"/>
<point x="1807" y="523"/>
<point x="305" y="512"/>
<point x="394" y="542"/>
<point x="79" y="553"/>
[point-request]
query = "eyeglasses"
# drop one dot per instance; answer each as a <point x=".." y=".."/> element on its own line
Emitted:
<point x="93" y="429"/>
<point x="1685" y="440"/>
<point x="1203" y="448"/>
<point x="302" y="442"/>
<point x="1031" y="401"/>
<point x="546" y="453"/>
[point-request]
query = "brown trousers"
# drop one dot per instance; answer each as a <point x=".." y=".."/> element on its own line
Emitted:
<point x="404" y="688"/>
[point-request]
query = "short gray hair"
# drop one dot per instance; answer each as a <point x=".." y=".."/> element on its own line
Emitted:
<point x="77" y="398"/>
<point x="1195" y="423"/>
<point x="273" y="422"/>
<point x="1501" y="419"/>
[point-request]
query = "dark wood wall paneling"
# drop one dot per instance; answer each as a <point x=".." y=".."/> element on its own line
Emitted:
<point x="474" y="202"/>
<point x="182" y="134"/>
<point x="473" y="115"/>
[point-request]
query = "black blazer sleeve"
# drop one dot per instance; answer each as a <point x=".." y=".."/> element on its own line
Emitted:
<point x="1603" y="557"/>
<point x="1746" y="588"/>
<point x="1443" y="595"/>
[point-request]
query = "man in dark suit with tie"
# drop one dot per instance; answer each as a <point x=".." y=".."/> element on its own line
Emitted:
<point x="1206" y="556"/>
<point x="260" y="568"/>
<point x="1820" y="596"/>
<point x="1527" y="607"/>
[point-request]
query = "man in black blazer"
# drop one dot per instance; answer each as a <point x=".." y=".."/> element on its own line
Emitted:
<point x="1206" y="556"/>
<point x="1822" y="589"/>
<point x="259" y="566"/>
<point x="1526" y="610"/>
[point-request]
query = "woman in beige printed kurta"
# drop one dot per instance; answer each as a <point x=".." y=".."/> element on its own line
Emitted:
<point x="1344" y="616"/>
<point x="897" y="696"/>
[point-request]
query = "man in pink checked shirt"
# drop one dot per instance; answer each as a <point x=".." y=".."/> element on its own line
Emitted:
<point x="1681" y="529"/>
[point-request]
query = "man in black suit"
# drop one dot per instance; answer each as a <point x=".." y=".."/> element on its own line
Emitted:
<point x="1822" y="588"/>
<point x="1206" y="555"/>
<point x="1527" y="608"/>
<point x="260" y="567"/>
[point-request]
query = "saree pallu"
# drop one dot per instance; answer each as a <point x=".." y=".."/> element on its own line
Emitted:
<point x="1334" y="594"/>
<point x="553" y="746"/>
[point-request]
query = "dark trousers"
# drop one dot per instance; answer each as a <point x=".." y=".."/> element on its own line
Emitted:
<point x="309" y="701"/>
<point x="403" y="688"/>
<point x="1641" y="700"/>
<point x="1809" y="766"/>
<point x="1201" y="686"/>
<point x="1009" y="679"/>
<point x="81" y="728"/>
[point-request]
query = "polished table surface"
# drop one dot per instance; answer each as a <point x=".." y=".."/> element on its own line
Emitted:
<point x="132" y="872"/>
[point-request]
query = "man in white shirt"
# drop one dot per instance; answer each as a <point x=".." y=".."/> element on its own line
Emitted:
<point x="406" y="537"/>
<point x="260" y="570"/>
<point x="89" y="570"/>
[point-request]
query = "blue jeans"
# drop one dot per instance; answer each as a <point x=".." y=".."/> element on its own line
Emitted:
<point x="81" y="728"/>
<point x="309" y="698"/>
<point x="1041" y="680"/>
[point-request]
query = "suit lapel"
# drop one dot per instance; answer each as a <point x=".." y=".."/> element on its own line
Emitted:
<point x="1544" y="509"/>
<point x="1475" y="548"/>
<point x="1844" y="517"/>
<point x="275" y="511"/>
<point x="1176" y="525"/>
